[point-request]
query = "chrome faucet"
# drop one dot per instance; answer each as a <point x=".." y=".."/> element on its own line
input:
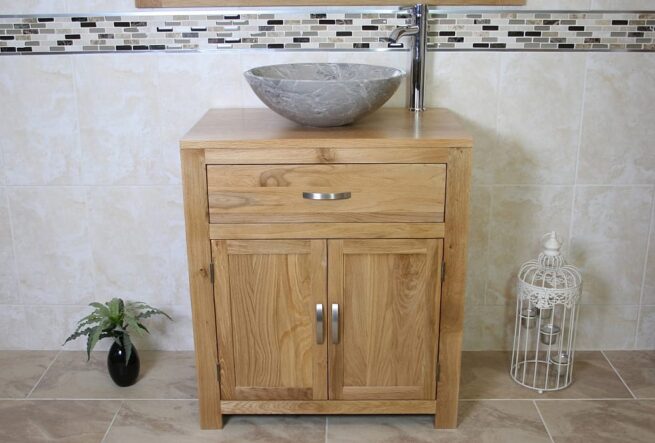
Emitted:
<point x="419" y="30"/>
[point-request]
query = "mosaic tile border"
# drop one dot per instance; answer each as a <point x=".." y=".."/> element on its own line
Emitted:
<point x="542" y="30"/>
<point x="325" y="29"/>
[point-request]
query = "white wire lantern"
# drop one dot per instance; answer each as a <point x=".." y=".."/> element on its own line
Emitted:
<point x="546" y="316"/>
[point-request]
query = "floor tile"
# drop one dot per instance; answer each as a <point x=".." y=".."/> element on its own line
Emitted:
<point x="69" y="421"/>
<point x="163" y="375"/>
<point x="171" y="421"/>
<point x="485" y="375"/>
<point x="503" y="421"/>
<point x="599" y="421"/>
<point x="21" y="370"/>
<point x="637" y="369"/>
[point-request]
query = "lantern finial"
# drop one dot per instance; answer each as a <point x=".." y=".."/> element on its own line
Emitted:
<point x="551" y="244"/>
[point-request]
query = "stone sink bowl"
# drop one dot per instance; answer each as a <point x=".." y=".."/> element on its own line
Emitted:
<point x="324" y="94"/>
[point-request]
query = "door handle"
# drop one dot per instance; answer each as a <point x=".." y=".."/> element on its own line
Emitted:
<point x="326" y="195"/>
<point x="335" y="323"/>
<point x="320" y="328"/>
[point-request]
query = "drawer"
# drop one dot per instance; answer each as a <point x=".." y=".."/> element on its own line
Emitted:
<point x="378" y="193"/>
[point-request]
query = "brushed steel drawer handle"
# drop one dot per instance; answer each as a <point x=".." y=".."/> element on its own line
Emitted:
<point x="326" y="195"/>
<point x="319" y="324"/>
<point x="335" y="323"/>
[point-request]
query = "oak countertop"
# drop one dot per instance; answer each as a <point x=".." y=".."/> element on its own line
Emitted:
<point x="387" y="127"/>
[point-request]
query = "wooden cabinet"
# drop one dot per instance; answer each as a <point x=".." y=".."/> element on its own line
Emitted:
<point x="309" y="306"/>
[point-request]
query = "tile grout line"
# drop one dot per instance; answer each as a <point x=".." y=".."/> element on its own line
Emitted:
<point x="12" y="234"/>
<point x="102" y="399"/>
<point x="78" y="121"/>
<point x="534" y="402"/>
<point x="619" y="375"/>
<point x="43" y="375"/>
<point x="490" y="213"/>
<point x="524" y="185"/>
<point x="552" y="399"/>
<point x="193" y="399"/>
<point x="583" y="100"/>
<point x="645" y="271"/>
<point x="104" y="437"/>
<point x="326" y="428"/>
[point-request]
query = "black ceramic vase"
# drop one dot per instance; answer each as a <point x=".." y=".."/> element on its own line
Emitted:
<point x="123" y="374"/>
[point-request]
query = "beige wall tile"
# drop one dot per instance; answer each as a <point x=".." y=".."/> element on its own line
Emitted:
<point x="480" y="206"/>
<point x="488" y="328"/>
<point x="2" y="166"/>
<point x="606" y="327"/>
<point x="43" y="147"/>
<point x="8" y="283"/>
<point x="610" y="228"/>
<point x="467" y="83"/>
<point x="138" y="245"/>
<point x="617" y="146"/>
<point x="133" y="109"/>
<point x="53" y="252"/>
<point x="557" y="4"/>
<point x="13" y="328"/>
<point x="176" y="335"/>
<point x="119" y="125"/>
<point x="189" y="85"/>
<point x="648" y="295"/>
<point x="538" y="118"/>
<point x="623" y="5"/>
<point x="101" y="5"/>
<point x="32" y="6"/>
<point x="41" y="327"/>
<point x="646" y="328"/>
<point x="520" y="216"/>
<point x="55" y="324"/>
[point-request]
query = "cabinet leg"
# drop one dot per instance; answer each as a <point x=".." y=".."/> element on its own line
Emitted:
<point x="214" y="422"/>
<point x="446" y="417"/>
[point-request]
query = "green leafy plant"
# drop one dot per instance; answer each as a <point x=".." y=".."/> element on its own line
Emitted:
<point x="115" y="319"/>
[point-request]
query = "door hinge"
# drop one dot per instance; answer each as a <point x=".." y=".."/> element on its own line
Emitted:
<point x="443" y="270"/>
<point x="211" y="272"/>
<point x="218" y="372"/>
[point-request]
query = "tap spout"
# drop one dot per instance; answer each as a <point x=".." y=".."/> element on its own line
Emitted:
<point x="402" y="31"/>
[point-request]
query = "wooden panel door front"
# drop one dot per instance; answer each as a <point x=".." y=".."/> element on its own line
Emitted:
<point x="387" y="294"/>
<point x="266" y="294"/>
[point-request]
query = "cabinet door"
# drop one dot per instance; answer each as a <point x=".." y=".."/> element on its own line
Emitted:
<point x="387" y="293"/>
<point x="266" y="294"/>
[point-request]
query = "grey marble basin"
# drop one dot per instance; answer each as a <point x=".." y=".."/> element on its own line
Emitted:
<point x="324" y="94"/>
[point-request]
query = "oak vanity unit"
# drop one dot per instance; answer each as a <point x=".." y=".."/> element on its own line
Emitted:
<point x="327" y="266"/>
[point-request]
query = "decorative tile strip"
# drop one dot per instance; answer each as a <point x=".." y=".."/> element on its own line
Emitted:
<point x="210" y="31"/>
<point x="541" y="30"/>
<point x="325" y="30"/>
